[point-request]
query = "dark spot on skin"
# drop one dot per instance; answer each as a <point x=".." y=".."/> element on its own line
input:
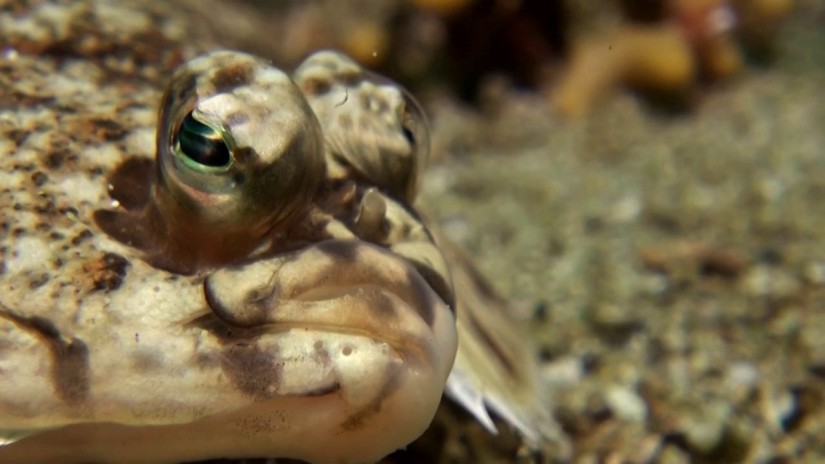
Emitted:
<point x="254" y="372"/>
<point x="86" y="234"/>
<point x="56" y="236"/>
<point x="321" y="354"/>
<point x="48" y="207"/>
<point x="108" y="129"/>
<point x="69" y="370"/>
<point x="132" y="182"/>
<point x="96" y="171"/>
<point x="39" y="281"/>
<point x="23" y="167"/>
<point x="228" y="78"/>
<point x="57" y="158"/>
<point x="39" y="178"/>
<point x="107" y="273"/>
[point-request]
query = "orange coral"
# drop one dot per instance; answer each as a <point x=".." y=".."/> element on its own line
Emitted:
<point x="693" y="41"/>
<point x="653" y="58"/>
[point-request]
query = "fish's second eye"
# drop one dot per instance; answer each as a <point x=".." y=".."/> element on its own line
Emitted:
<point x="201" y="146"/>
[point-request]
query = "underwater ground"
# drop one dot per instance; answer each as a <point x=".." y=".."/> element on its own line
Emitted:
<point x="671" y="266"/>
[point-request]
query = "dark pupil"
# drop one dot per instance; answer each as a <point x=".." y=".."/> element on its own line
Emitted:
<point x="202" y="144"/>
<point x="408" y="134"/>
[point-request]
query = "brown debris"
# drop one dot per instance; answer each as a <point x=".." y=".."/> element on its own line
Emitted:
<point x="693" y="258"/>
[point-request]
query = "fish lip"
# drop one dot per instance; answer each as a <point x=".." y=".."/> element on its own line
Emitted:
<point x="335" y="286"/>
<point x="233" y="328"/>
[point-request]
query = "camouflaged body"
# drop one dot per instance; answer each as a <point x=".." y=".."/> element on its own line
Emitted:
<point x="91" y="327"/>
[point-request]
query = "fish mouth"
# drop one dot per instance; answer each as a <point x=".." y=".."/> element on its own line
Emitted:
<point x="341" y="287"/>
<point x="342" y="317"/>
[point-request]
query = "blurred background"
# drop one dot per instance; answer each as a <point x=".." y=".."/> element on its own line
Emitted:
<point x="537" y="44"/>
<point x="645" y="179"/>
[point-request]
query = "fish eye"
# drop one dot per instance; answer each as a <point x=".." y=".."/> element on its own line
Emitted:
<point x="390" y="143"/>
<point x="202" y="147"/>
<point x="239" y="154"/>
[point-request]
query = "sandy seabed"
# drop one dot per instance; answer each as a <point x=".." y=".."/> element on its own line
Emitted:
<point x="671" y="267"/>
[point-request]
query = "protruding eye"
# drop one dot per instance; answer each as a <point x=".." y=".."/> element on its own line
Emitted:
<point x="201" y="146"/>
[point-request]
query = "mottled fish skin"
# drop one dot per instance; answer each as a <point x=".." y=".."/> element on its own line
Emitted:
<point x="311" y="336"/>
<point x="91" y="329"/>
<point x="375" y="133"/>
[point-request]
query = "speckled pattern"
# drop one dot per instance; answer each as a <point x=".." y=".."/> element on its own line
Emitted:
<point x="74" y="101"/>
<point x="92" y="333"/>
<point x="97" y="326"/>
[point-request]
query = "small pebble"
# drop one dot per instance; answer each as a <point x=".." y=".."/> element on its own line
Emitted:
<point x="743" y="375"/>
<point x="563" y="372"/>
<point x="626" y="404"/>
<point x="766" y="281"/>
<point x="815" y="272"/>
<point x="705" y="430"/>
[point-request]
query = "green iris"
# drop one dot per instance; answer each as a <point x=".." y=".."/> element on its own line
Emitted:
<point x="201" y="146"/>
